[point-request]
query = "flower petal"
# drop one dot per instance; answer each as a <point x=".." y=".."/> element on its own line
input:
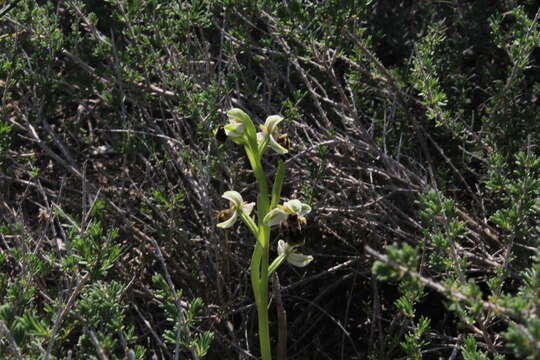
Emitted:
<point x="306" y="209"/>
<point x="276" y="147"/>
<point x="282" y="247"/>
<point x="260" y="137"/>
<point x="275" y="217"/>
<point x="248" y="208"/>
<point x="299" y="260"/>
<point x="229" y="222"/>
<point x="234" y="197"/>
<point x="295" y="206"/>
<point x="272" y="122"/>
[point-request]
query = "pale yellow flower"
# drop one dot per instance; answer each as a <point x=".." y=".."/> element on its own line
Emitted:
<point x="237" y="205"/>
<point x="292" y="207"/>
<point x="269" y="130"/>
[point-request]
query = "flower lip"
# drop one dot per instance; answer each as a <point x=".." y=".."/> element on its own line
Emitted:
<point x="221" y="134"/>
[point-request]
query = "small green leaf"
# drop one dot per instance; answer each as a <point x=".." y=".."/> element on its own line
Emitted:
<point x="278" y="183"/>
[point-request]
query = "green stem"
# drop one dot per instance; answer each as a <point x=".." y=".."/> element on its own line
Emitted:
<point x="259" y="282"/>
<point x="276" y="264"/>
<point x="261" y="300"/>
<point x="259" y="262"/>
<point x="250" y="223"/>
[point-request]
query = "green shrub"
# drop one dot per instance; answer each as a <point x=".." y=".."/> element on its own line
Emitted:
<point x="415" y="129"/>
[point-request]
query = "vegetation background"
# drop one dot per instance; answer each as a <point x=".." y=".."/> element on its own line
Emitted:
<point x="414" y="130"/>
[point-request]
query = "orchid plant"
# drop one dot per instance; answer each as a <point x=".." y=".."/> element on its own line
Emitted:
<point x="269" y="213"/>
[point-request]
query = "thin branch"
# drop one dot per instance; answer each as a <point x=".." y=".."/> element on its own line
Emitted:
<point x="58" y="322"/>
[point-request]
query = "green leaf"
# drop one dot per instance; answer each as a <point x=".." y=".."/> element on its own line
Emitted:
<point x="278" y="183"/>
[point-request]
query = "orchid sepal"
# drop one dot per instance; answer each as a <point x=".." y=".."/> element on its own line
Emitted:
<point x="240" y="127"/>
<point x="239" y="208"/>
<point x="274" y="145"/>
<point x="238" y="115"/>
<point x="291" y="256"/>
<point x="229" y="222"/>
<point x="275" y="216"/>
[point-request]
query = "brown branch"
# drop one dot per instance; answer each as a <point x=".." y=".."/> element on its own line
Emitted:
<point x="71" y="301"/>
<point x="9" y="337"/>
<point x="282" y="319"/>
